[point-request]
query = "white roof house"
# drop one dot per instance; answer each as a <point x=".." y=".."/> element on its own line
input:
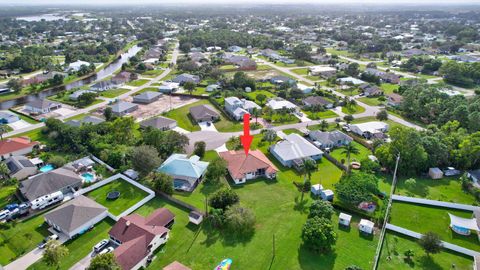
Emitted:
<point x="295" y="147"/>
<point x="280" y="103"/>
<point x="366" y="226"/>
<point x="318" y="70"/>
<point x="344" y="219"/>
<point x="351" y="80"/>
<point x="168" y="87"/>
<point x="369" y="127"/>
<point x="305" y="88"/>
<point x="77" y="65"/>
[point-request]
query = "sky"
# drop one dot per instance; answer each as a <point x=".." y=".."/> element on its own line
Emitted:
<point x="157" y="2"/>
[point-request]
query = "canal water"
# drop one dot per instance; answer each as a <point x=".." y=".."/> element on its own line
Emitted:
<point x="100" y="75"/>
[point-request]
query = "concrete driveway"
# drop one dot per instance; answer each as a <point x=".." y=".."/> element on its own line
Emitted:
<point x="19" y="124"/>
<point x="207" y="126"/>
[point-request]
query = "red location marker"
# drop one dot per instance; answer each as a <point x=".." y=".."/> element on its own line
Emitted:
<point x="246" y="139"/>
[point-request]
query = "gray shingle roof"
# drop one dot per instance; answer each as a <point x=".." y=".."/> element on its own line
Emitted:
<point x="122" y="106"/>
<point x="16" y="163"/>
<point x="49" y="182"/>
<point x="157" y="122"/>
<point x="75" y="213"/>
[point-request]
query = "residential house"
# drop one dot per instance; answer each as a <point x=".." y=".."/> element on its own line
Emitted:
<point x="204" y="113"/>
<point x="147" y="97"/>
<point x="304" y="88"/>
<point x="280" y="79"/>
<point x="139" y="237"/>
<point x="316" y="101"/>
<point x="294" y="149"/>
<point x="76" y="216"/>
<point x="159" y="122"/>
<point x="183" y="78"/>
<point x="242" y="62"/>
<point x="124" y="77"/>
<point x="234" y="49"/>
<point x="370" y="90"/>
<point x="60" y="179"/>
<point x="280" y="103"/>
<point x="368" y="129"/>
<point x="16" y="146"/>
<point x="321" y="58"/>
<point x="243" y="167"/>
<point x="330" y="139"/>
<point x="168" y="87"/>
<point x="394" y="99"/>
<point x="20" y="167"/>
<point x="154" y="53"/>
<point x="75" y="66"/>
<point x="186" y="172"/>
<point x="323" y="71"/>
<point x="41" y="106"/>
<point x="75" y="95"/>
<point x="178" y="266"/>
<point x="213" y="87"/>
<point x="8" y="117"/>
<point x="122" y="108"/>
<point x="93" y="120"/>
<point x="384" y="76"/>
<point x="349" y="80"/>
<point x="102" y="86"/>
<point x="238" y="107"/>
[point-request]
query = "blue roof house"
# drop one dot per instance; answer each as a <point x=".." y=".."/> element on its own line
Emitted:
<point x="187" y="172"/>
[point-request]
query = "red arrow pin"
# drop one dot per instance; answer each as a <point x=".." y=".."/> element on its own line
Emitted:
<point x="246" y="139"/>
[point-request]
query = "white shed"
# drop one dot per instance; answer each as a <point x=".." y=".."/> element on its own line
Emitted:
<point x="316" y="189"/>
<point x="366" y="226"/>
<point x="435" y="173"/>
<point x="344" y="219"/>
<point x="327" y="195"/>
<point x="195" y="217"/>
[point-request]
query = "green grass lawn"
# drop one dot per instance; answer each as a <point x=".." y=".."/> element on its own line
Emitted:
<point x="81" y="246"/>
<point x="353" y="109"/>
<point x="153" y="89"/>
<point x="349" y="92"/>
<point x="320" y="115"/>
<point x="28" y="119"/>
<point x="422" y="219"/>
<point x="393" y="258"/>
<point x="447" y="189"/>
<point x="113" y="93"/>
<point x="228" y="67"/>
<point x="273" y="203"/>
<point x="7" y="195"/>
<point x="36" y="135"/>
<point x="152" y="73"/>
<point x="292" y="130"/>
<point x="363" y="153"/>
<point x="300" y="71"/>
<point x="372" y="101"/>
<point x="20" y="238"/>
<point x="278" y="119"/>
<point x="139" y="82"/>
<point x="129" y="195"/>
<point x="389" y="88"/>
<point x="253" y="95"/>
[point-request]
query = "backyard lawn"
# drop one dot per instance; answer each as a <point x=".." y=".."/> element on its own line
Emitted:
<point x="320" y="115"/>
<point x="113" y="93"/>
<point x="253" y="95"/>
<point x="138" y="82"/>
<point x="129" y="196"/>
<point x="389" y="88"/>
<point x="353" y="109"/>
<point x="81" y="246"/>
<point x="422" y="219"/>
<point x="363" y="153"/>
<point x="20" y="238"/>
<point x="393" y="258"/>
<point x="7" y="195"/>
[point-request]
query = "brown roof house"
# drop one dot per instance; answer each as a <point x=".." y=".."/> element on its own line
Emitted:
<point x="176" y="266"/>
<point x="204" y="113"/>
<point x="138" y="237"/>
<point x="246" y="167"/>
<point x="394" y="99"/>
<point x="76" y="216"/>
<point x="16" y="146"/>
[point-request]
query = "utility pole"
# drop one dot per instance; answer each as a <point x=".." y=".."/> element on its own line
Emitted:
<point x="387" y="213"/>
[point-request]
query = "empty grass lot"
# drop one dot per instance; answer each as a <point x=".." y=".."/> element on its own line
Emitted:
<point x="422" y="219"/>
<point x="7" y="195"/>
<point x="300" y="71"/>
<point x="363" y="153"/>
<point x="129" y="195"/>
<point x="320" y="115"/>
<point x="353" y="109"/>
<point x="113" y="93"/>
<point x="80" y="246"/>
<point x="20" y="238"/>
<point x="393" y="258"/>
<point x="138" y="82"/>
<point x="372" y="101"/>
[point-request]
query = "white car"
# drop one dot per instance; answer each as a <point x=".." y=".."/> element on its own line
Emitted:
<point x="105" y="251"/>
<point x="102" y="244"/>
<point x="48" y="238"/>
<point x="4" y="214"/>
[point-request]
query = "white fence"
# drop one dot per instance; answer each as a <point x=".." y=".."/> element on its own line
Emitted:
<point x="446" y="245"/>
<point x="435" y="203"/>
<point x="151" y="193"/>
<point x="103" y="163"/>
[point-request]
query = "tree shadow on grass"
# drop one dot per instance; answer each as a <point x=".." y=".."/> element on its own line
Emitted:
<point x="310" y="260"/>
<point x="301" y="205"/>
<point x="427" y="262"/>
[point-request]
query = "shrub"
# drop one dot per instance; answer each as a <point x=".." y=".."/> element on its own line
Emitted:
<point x="318" y="234"/>
<point x="321" y="209"/>
<point x="223" y="198"/>
<point x="240" y="220"/>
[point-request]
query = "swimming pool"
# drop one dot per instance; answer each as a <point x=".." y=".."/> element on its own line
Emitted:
<point x="46" y="168"/>
<point x="88" y="177"/>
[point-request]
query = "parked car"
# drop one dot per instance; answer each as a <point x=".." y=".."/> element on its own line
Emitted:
<point x="101" y="245"/>
<point x="106" y="250"/>
<point x="48" y="238"/>
<point x="4" y="214"/>
<point x="11" y="206"/>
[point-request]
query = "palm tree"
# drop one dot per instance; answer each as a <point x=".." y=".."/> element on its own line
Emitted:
<point x="256" y="114"/>
<point x="348" y="150"/>
<point x="3" y="130"/>
<point x="4" y="171"/>
<point x="309" y="166"/>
